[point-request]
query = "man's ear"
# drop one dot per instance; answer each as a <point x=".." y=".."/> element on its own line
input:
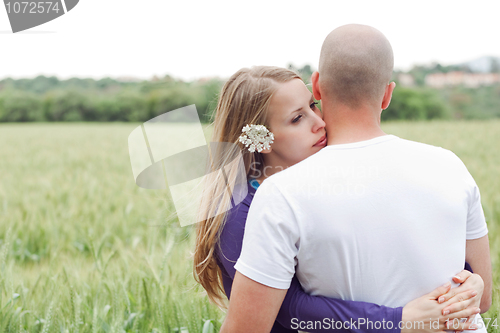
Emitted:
<point x="315" y="86"/>
<point x="387" y="95"/>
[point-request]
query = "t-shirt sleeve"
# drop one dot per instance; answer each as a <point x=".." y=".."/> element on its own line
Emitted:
<point x="270" y="242"/>
<point x="299" y="308"/>
<point x="476" y="222"/>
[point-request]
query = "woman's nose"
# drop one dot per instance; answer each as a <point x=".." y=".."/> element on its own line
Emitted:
<point x="318" y="123"/>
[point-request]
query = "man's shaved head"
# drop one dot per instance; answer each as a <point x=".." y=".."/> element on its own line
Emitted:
<point x="355" y="65"/>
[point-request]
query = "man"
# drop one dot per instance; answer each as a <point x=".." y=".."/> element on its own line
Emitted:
<point x="371" y="217"/>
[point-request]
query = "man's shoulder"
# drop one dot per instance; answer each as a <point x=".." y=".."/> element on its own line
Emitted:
<point x="297" y="177"/>
<point x="439" y="160"/>
<point x="425" y="148"/>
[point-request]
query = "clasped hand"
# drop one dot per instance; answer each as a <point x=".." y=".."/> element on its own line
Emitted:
<point x="446" y="306"/>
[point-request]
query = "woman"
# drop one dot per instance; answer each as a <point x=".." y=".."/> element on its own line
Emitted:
<point x="266" y="95"/>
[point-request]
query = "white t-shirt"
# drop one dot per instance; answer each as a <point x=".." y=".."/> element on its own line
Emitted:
<point x="382" y="221"/>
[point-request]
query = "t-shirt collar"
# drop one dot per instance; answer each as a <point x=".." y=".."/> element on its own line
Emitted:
<point x="365" y="143"/>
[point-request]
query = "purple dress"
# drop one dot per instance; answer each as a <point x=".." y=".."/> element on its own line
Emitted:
<point x="301" y="311"/>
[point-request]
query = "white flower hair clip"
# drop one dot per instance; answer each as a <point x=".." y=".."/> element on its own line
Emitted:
<point x="256" y="137"/>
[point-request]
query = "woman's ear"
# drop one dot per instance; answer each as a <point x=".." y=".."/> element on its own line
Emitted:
<point x="315" y="86"/>
<point x="267" y="151"/>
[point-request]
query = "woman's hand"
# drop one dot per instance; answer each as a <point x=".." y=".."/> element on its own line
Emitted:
<point x="468" y="282"/>
<point x="425" y="314"/>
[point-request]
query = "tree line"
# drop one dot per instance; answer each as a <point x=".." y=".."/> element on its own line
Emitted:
<point x="51" y="99"/>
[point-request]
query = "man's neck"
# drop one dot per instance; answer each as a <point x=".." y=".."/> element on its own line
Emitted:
<point x="348" y="126"/>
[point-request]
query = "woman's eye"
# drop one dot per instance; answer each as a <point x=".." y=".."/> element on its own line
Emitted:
<point x="313" y="105"/>
<point x="296" y="118"/>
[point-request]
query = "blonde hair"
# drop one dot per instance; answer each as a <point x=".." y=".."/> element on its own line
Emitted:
<point x="244" y="99"/>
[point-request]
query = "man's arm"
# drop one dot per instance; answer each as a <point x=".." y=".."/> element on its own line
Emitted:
<point x="477" y="254"/>
<point x="477" y="246"/>
<point x="253" y="306"/>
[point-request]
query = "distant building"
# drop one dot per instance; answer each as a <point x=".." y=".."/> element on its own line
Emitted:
<point x="406" y="80"/>
<point x="471" y="80"/>
<point x="128" y="79"/>
<point x="207" y="79"/>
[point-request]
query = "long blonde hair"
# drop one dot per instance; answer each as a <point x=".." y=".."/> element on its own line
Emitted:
<point x="244" y="99"/>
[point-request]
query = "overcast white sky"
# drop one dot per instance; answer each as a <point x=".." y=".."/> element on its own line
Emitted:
<point x="191" y="39"/>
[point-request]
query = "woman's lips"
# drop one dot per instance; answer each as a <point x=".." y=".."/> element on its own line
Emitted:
<point x="321" y="142"/>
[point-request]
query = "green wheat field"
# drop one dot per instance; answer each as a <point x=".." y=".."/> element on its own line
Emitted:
<point x="83" y="249"/>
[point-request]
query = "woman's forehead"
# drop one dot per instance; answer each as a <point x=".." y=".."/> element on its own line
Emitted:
<point x="288" y="98"/>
